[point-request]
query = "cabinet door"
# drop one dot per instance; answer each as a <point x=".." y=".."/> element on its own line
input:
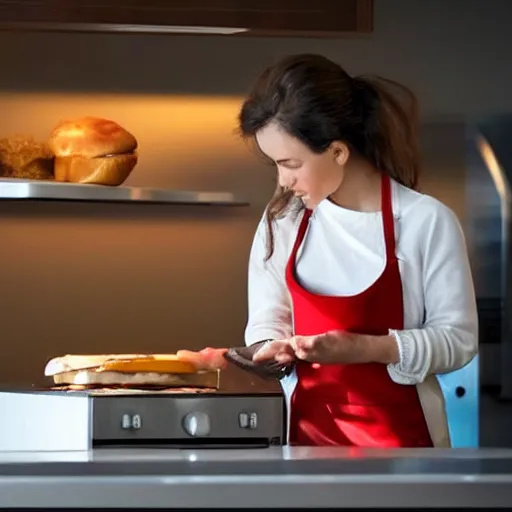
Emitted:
<point x="251" y="17"/>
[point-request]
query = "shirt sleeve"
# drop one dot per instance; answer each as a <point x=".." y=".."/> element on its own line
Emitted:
<point x="448" y="338"/>
<point x="269" y="306"/>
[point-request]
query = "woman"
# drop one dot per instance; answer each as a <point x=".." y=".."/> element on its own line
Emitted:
<point x="356" y="279"/>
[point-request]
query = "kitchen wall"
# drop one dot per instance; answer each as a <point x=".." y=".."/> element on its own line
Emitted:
<point x="104" y="278"/>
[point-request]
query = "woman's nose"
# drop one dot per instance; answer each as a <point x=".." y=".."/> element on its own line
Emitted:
<point x="285" y="180"/>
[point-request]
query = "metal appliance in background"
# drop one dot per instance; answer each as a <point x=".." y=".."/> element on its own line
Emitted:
<point x="77" y="420"/>
<point x="489" y="225"/>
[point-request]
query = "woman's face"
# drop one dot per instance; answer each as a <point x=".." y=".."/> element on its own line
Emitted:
<point x="311" y="176"/>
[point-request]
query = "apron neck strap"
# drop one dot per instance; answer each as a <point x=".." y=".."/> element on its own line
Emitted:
<point x="387" y="216"/>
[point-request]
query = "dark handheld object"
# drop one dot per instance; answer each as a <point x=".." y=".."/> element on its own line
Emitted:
<point x="242" y="357"/>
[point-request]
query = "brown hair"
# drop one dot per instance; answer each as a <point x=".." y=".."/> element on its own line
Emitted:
<point x="316" y="101"/>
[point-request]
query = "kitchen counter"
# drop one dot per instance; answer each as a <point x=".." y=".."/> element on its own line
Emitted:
<point x="280" y="477"/>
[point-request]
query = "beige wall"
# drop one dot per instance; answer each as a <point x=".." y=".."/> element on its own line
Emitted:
<point x="104" y="278"/>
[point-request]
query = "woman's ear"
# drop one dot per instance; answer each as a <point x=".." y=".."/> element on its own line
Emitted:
<point x="341" y="152"/>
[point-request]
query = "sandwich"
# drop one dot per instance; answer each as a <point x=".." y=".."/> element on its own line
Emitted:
<point x="130" y="370"/>
<point x="92" y="150"/>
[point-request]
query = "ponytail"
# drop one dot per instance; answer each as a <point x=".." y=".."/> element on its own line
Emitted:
<point x="390" y="125"/>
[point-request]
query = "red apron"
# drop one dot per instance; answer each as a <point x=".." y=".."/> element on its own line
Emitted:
<point x="355" y="404"/>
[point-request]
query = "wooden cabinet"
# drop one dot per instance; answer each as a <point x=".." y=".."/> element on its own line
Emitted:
<point x="296" y="18"/>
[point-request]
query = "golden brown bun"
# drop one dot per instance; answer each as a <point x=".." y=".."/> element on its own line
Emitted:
<point x="111" y="170"/>
<point x="90" y="137"/>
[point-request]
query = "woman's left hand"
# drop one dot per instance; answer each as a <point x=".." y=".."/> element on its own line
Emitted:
<point x="339" y="348"/>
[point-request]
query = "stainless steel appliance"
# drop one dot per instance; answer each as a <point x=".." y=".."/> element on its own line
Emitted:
<point x="489" y="224"/>
<point x="75" y="420"/>
<point x="469" y="167"/>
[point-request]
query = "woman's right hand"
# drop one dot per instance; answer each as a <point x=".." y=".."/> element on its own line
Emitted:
<point x="279" y="350"/>
<point x="207" y="359"/>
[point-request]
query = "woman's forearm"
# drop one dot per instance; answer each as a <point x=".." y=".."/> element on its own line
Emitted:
<point x="367" y="348"/>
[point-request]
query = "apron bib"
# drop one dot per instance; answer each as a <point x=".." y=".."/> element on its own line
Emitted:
<point x="356" y="404"/>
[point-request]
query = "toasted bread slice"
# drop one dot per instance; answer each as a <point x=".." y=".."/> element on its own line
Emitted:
<point x="142" y="379"/>
<point x="121" y="363"/>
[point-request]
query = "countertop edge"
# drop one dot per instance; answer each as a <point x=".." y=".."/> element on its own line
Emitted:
<point x="256" y="491"/>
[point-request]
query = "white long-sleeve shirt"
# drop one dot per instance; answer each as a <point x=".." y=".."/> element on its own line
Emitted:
<point x="344" y="253"/>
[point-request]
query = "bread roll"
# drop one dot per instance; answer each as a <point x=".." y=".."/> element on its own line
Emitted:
<point x="111" y="171"/>
<point x="21" y="156"/>
<point x="94" y="151"/>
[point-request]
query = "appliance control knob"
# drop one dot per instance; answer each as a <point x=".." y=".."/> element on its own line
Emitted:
<point x="196" y="424"/>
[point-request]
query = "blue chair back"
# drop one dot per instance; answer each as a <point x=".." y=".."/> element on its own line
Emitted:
<point x="461" y="391"/>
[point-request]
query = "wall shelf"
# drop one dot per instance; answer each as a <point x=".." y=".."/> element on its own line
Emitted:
<point x="17" y="189"/>
<point x="323" y="18"/>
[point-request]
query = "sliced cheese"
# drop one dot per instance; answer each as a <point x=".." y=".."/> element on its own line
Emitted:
<point x="97" y="362"/>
